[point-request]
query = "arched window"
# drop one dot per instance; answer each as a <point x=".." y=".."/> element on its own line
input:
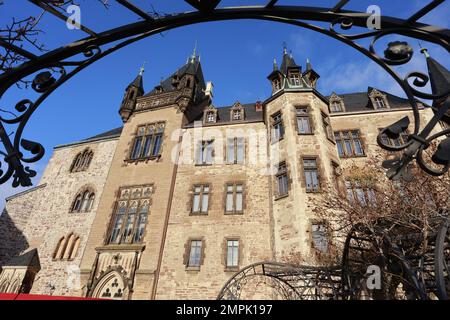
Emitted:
<point x="111" y="286"/>
<point x="82" y="161"/>
<point x="15" y="287"/>
<point x="4" y="286"/>
<point x="58" y="249"/>
<point x="67" y="247"/>
<point x="83" y="201"/>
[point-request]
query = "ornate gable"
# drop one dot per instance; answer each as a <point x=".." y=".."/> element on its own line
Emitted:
<point x="237" y="112"/>
<point x="336" y="103"/>
<point x="210" y="114"/>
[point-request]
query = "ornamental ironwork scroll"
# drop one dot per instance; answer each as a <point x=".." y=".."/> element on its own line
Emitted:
<point x="52" y="69"/>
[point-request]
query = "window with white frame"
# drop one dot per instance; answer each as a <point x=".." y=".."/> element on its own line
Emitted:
<point x="234" y="198"/>
<point x="232" y="258"/>
<point x="200" y="200"/>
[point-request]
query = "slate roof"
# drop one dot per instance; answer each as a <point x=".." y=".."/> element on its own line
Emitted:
<point x="360" y="101"/>
<point x="439" y="77"/>
<point x="138" y="83"/>
<point x="28" y="259"/>
<point x="192" y="67"/>
<point x="107" y="134"/>
<point x="223" y="115"/>
<point x="288" y="62"/>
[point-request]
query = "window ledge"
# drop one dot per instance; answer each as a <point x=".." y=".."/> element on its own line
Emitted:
<point x="281" y="197"/>
<point x="203" y="164"/>
<point x="193" y="269"/>
<point x="231" y="269"/>
<point x="124" y="247"/>
<point x="305" y="134"/>
<point x="354" y="156"/>
<point x="275" y="141"/>
<point x="198" y="214"/>
<point x="234" y="213"/>
<point x="146" y="159"/>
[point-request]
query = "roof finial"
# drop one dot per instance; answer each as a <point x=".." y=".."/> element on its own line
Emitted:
<point x="284" y="47"/>
<point x="275" y="65"/>
<point x="308" y="64"/>
<point x="194" y="53"/>
<point x="141" y="71"/>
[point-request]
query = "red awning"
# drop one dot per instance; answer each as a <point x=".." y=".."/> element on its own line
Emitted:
<point x="23" y="296"/>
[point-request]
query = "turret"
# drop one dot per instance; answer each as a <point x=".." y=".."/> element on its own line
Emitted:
<point x="134" y="90"/>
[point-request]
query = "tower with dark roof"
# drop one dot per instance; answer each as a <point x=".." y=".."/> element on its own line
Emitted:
<point x="134" y="90"/>
<point x="440" y="83"/>
<point x="289" y="76"/>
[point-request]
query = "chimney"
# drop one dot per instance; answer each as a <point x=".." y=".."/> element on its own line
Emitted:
<point x="209" y="89"/>
<point x="258" y="106"/>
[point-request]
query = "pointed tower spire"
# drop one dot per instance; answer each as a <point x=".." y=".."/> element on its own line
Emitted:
<point x="194" y="53"/>
<point x="142" y="70"/>
<point x="308" y="64"/>
<point x="275" y="65"/>
<point x="439" y="75"/>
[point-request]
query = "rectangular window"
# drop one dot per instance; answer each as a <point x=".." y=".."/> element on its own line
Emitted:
<point x="234" y="198"/>
<point x="349" y="143"/>
<point x="295" y="79"/>
<point x="235" y="150"/>
<point x="402" y="139"/>
<point x="131" y="214"/>
<point x="379" y="103"/>
<point x="311" y="173"/>
<point x="200" y="199"/>
<point x="195" y="253"/>
<point x="363" y="194"/>
<point x="148" y="141"/>
<point x="232" y="253"/>
<point x="319" y="236"/>
<point x="205" y="152"/>
<point x="335" y="106"/>
<point x="277" y="127"/>
<point x="303" y="121"/>
<point x="327" y="126"/>
<point x="282" y="180"/>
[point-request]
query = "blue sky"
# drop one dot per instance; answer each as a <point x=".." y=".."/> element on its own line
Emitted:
<point x="236" y="55"/>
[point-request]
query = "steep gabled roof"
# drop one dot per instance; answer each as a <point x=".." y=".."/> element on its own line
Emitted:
<point x="28" y="259"/>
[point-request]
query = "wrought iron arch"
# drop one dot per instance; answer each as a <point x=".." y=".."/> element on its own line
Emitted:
<point x="61" y="59"/>
<point x="289" y="281"/>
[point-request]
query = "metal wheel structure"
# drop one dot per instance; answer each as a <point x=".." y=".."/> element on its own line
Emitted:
<point x="50" y="70"/>
<point x="408" y="271"/>
<point x="284" y="281"/>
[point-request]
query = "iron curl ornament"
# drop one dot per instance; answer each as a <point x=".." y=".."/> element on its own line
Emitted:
<point x="52" y="69"/>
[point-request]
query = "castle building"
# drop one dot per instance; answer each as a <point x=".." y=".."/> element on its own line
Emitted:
<point x="186" y="193"/>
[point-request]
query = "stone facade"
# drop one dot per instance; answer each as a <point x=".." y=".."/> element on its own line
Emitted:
<point x="145" y="236"/>
<point x="40" y="217"/>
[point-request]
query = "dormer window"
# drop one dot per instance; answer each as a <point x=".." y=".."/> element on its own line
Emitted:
<point x="294" y="78"/>
<point x="379" y="100"/>
<point x="379" y="103"/>
<point x="210" y="117"/>
<point x="336" y="103"/>
<point x="276" y="85"/>
<point x="237" y="112"/>
<point x="335" y="106"/>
